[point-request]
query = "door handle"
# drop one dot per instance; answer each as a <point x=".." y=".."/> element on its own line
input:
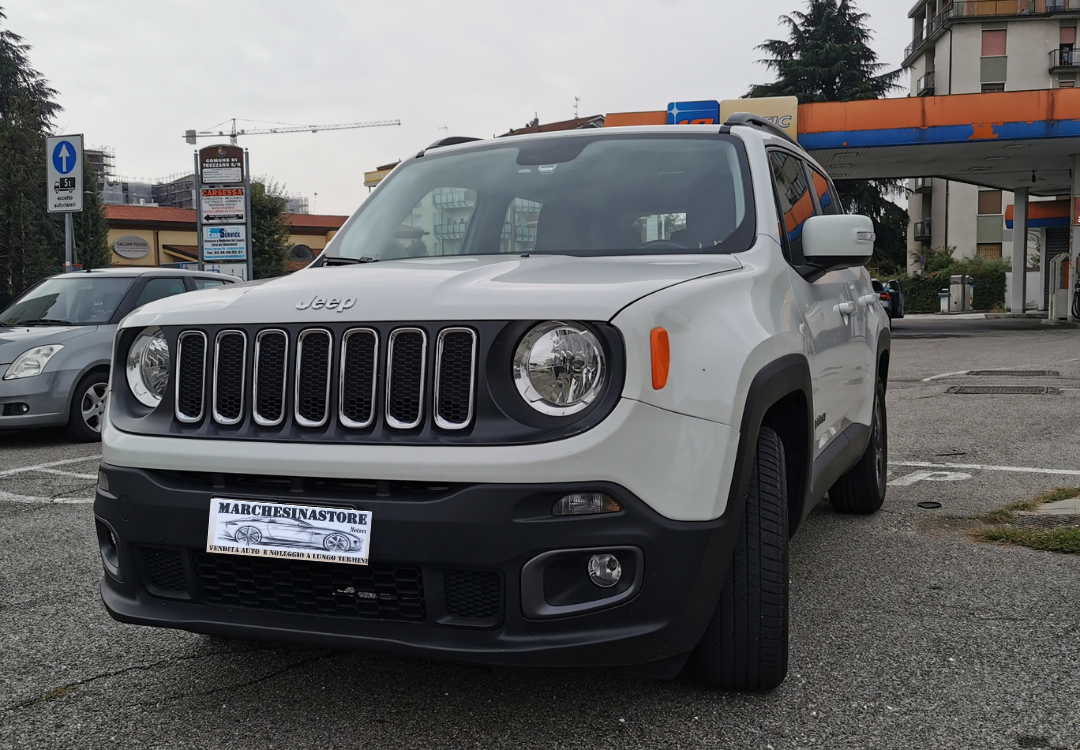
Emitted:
<point x="868" y="299"/>
<point x="846" y="308"/>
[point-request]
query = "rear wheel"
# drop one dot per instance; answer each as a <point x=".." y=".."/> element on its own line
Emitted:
<point x="745" y="646"/>
<point x="87" y="412"/>
<point x="862" y="490"/>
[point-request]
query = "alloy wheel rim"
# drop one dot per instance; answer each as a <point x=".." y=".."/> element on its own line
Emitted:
<point x="93" y="406"/>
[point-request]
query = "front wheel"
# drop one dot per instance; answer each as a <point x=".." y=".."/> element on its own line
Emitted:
<point x="88" y="408"/>
<point x="745" y="646"/>
<point x="862" y="490"/>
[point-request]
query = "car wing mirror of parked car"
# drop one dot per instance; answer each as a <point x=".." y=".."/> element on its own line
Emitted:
<point x="831" y="243"/>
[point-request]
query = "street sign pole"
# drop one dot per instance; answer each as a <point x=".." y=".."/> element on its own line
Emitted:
<point x="247" y="212"/>
<point x="64" y="185"/>
<point x="69" y="242"/>
<point x="198" y="214"/>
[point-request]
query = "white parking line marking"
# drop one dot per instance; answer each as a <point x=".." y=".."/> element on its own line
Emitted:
<point x="984" y="467"/>
<point x="60" y="473"/>
<point x="10" y="497"/>
<point x="945" y="375"/>
<point x="38" y="467"/>
<point x="929" y="476"/>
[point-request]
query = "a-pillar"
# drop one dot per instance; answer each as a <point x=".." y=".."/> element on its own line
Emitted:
<point x="1074" y="238"/>
<point x="1018" y="295"/>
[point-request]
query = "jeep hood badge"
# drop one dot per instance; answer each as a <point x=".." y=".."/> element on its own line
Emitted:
<point x="321" y="303"/>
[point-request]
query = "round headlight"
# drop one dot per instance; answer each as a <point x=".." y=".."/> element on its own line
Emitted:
<point x="148" y="367"/>
<point x="559" y="368"/>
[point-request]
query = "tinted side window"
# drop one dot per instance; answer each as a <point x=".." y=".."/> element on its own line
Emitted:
<point x="796" y="205"/>
<point x="827" y="198"/>
<point x="156" y="289"/>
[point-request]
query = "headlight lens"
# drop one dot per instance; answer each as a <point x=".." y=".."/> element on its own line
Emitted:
<point x="32" y="362"/>
<point x="559" y="368"/>
<point x="148" y="367"/>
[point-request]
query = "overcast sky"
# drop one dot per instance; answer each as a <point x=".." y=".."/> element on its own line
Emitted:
<point x="133" y="75"/>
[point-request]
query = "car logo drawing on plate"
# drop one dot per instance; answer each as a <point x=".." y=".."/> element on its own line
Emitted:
<point x="297" y="532"/>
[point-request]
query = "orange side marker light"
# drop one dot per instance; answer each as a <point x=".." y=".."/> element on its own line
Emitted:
<point x="661" y="357"/>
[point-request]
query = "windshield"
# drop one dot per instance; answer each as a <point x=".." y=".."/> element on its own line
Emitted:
<point x="577" y="195"/>
<point x="77" y="299"/>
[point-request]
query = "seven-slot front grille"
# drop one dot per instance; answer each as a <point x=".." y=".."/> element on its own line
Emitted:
<point x="407" y="357"/>
<point x="230" y="370"/>
<point x="381" y="377"/>
<point x="271" y="361"/>
<point x="190" y="369"/>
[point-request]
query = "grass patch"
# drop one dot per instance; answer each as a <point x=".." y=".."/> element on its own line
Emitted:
<point x="1008" y="513"/>
<point x="1065" y="540"/>
<point x="1047" y="540"/>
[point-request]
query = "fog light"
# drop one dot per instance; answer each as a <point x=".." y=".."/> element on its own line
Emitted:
<point x="585" y="504"/>
<point x="605" y="570"/>
<point x="15" y="410"/>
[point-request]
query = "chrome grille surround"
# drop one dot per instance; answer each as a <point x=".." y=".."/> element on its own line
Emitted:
<point x="440" y="347"/>
<point x="300" y="418"/>
<point x="180" y="415"/>
<point x="390" y="419"/>
<point x="218" y="417"/>
<point x="345" y="420"/>
<point x="260" y="419"/>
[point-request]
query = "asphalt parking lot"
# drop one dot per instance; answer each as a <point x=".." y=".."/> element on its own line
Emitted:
<point x="905" y="632"/>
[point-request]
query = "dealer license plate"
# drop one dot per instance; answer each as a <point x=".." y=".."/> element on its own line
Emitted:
<point x="289" y="532"/>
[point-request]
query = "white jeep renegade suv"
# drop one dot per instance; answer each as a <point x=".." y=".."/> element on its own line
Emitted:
<point x="547" y="400"/>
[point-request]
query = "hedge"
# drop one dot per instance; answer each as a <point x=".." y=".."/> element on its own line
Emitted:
<point x="921" y="292"/>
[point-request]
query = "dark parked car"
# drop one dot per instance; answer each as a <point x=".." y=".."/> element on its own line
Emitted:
<point x="56" y="342"/>
<point x="892" y="297"/>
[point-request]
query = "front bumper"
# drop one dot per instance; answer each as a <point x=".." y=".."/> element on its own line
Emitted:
<point x="487" y="531"/>
<point x="47" y="397"/>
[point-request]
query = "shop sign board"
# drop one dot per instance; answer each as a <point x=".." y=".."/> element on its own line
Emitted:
<point x="225" y="205"/>
<point x="131" y="247"/>
<point x="224" y="243"/>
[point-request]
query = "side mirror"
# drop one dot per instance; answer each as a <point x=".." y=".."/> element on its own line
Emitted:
<point x="835" y="242"/>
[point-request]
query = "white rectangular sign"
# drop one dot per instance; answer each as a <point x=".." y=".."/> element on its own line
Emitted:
<point x="292" y="532"/>
<point x="223" y="205"/>
<point x="224" y="243"/>
<point x="64" y="173"/>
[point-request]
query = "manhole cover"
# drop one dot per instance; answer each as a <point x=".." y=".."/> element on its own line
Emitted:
<point x="1003" y="390"/>
<point x="1016" y="373"/>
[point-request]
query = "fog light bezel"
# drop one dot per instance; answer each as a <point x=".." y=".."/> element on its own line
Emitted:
<point x="109" y="549"/>
<point x="534" y="600"/>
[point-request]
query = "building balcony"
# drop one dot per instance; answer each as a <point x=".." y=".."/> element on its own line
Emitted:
<point x="965" y="10"/>
<point x="1064" y="58"/>
<point x="450" y="231"/>
<point x="922" y="230"/>
<point x="924" y="185"/>
<point x="454" y="198"/>
<point x="522" y="233"/>
<point x="925" y="86"/>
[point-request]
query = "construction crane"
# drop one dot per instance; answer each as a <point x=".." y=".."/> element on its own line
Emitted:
<point x="191" y="136"/>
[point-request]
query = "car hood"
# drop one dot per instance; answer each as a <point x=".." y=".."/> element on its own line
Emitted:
<point x="443" y="288"/>
<point x="16" y="340"/>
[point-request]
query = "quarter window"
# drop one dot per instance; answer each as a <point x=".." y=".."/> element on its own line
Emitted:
<point x="796" y="205"/>
<point x="827" y="199"/>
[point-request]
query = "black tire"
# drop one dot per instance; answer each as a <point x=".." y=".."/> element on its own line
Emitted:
<point x="745" y="646"/>
<point x="862" y="490"/>
<point x="85" y="418"/>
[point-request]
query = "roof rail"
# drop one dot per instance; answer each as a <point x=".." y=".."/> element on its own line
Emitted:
<point x="757" y="121"/>
<point x="449" y="141"/>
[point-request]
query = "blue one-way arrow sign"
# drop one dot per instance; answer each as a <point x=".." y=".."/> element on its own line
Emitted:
<point x="64" y="173"/>
<point x="63" y="157"/>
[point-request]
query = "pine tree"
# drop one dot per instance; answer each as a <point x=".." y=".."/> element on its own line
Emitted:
<point x="827" y="58"/>
<point x="27" y="110"/>
<point x="269" y="230"/>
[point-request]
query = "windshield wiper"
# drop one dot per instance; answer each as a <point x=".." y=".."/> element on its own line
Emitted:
<point x="338" y="260"/>
<point x="45" y="322"/>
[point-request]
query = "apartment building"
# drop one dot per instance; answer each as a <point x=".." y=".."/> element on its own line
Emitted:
<point x="973" y="46"/>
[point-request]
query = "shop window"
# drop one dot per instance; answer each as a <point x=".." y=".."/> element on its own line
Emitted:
<point x="993" y="88"/>
<point x="989" y="250"/>
<point x="989" y="202"/>
<point x="1064" y="84"/>
<point x="993" y="43"/>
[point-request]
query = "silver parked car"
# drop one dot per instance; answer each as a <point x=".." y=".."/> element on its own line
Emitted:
<point x="56" y="342"/>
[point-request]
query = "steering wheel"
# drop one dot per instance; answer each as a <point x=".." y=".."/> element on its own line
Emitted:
<point x="662" y="245"/>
